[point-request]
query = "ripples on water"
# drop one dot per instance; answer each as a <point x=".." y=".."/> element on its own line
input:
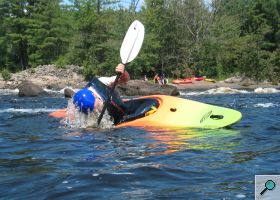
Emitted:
<point x="43" y="159"/>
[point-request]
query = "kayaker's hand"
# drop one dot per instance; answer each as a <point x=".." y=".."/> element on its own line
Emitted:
<point x="124" y="74"/>
<point x="120" y="68"/>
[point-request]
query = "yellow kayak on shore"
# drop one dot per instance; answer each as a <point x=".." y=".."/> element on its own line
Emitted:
<point x="210" y="80"/>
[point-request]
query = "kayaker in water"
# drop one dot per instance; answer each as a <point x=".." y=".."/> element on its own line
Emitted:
<point x="95" y="94"/>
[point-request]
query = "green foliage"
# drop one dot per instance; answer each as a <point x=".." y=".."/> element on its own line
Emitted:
<point x="243" y="39"/>
<point x="6" y="74"/>
<point x="34" y="33"/>
<point x="90" y="72"/>
<point x="181" y="37"/>
<point x="61" y="62"/>
<point x="32" y="70"/>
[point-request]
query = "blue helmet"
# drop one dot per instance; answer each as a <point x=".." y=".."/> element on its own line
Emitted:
<point x="84" y="100"/>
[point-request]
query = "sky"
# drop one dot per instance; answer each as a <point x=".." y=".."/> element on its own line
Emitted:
<point x="127" y="2"/>
<point x="207" y="2"/>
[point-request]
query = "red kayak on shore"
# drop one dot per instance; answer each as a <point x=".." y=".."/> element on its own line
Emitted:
<point x="188" y="80"/>
<point x="182" y="81"/>
<point x="201" y="78"/>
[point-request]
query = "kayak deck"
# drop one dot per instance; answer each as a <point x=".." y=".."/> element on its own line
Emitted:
<point x="174" y="112"/>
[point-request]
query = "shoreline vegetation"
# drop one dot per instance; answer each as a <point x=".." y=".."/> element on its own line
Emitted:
<point x="182" y="38"/>
<point x="53" y="78"/>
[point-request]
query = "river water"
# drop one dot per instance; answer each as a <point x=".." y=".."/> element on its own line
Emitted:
<point x="40" y="158"/>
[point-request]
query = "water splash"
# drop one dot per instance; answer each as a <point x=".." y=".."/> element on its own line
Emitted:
<point x="266" y="90"/>
<point x="76" y="119"/>
<point x="61" y="91"/>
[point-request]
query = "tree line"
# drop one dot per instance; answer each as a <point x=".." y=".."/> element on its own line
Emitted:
<point x="218" y="40"/>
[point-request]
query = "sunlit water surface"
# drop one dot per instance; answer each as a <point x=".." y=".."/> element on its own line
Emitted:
<point x="40" y="158"/>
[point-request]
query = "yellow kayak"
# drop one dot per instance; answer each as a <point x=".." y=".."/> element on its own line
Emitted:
<point x="174" y="112"/>
<point x="168" y="112"/>
<point x="210" y="80"/>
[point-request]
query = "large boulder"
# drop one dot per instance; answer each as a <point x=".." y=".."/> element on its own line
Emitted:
<point x="140" y="88"/>
<point x="68" y="93"/>
<point x="2" y="84"/>
<point x="55" y="85"/>
<point x="28" y="89"/>
<point x="235" y="79"/>
<point x="241" y="80"/>
<point x="247" y="82"/>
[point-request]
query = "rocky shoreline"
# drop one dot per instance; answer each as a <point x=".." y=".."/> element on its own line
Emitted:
<point x="204" y="85"/>
<point x="53" y="78"/>
<point x="47" y="76"/>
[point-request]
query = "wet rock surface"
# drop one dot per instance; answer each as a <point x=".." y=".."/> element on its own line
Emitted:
<point x="69" y="92"/>
<point x="29" y="89"/>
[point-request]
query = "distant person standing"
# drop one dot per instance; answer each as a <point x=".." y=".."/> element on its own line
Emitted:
<point x="145" y="78"/>
<point x="157" y="78"/>
<point x="163" y="79"/>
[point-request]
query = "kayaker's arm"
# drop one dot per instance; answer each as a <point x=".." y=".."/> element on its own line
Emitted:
<point x="124" y="78"/>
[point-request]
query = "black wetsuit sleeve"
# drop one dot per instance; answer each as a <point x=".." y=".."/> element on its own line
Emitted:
<point x="116" y="107"/>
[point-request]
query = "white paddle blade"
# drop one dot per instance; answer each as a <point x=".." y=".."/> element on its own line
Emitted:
<point x="132" y="42"/>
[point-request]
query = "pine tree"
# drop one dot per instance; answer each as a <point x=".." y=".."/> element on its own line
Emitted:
<point x="14" y="37"/>
<point x="48" y="33"/>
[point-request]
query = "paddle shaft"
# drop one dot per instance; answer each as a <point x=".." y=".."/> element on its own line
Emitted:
<point x="126" y="56"/>
<point x="108" y="99"/>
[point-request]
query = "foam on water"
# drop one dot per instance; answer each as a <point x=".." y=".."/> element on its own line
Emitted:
<point x="54" y="91"/>
<point x="220" y="90"/>
<point x="58" y="91"/>
<point x="265" y="105"/>
<point x="228" y="90"/>
<point x="266" y="90"/>
<point x="27" y="110"/>
<point x="15" y="91"/>
<point x="76" y="119"/>
<point x="8" y="91"/>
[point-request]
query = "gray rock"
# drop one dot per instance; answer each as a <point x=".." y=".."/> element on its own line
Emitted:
<point x="56" y="86"/>
<point x="28" y="89"/>
<point x="139" y="87"/>
<point x="68" y="93"/>
<point x="49" y="76"/>
<point x="247" y="82"/>
<point x="235" y="79"/>
<point x="241" y="80"/>
<point x="2" y="85"/>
